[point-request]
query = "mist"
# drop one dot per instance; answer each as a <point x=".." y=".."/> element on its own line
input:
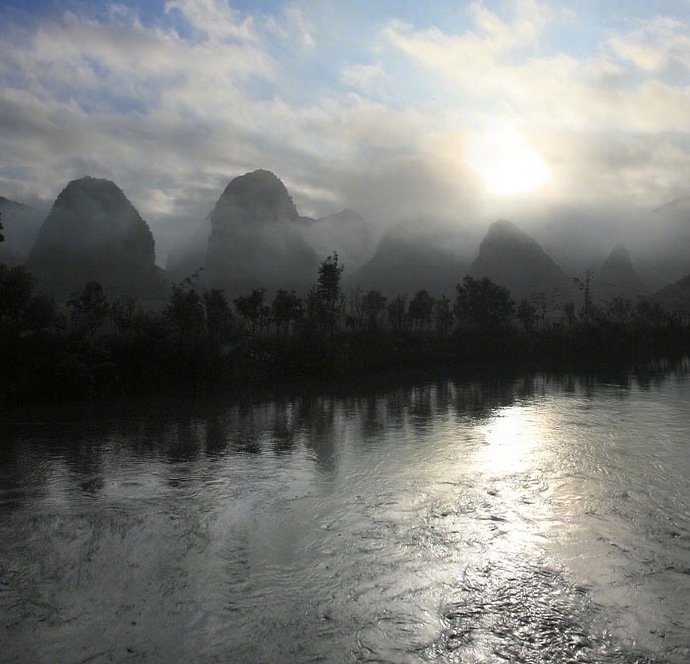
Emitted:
<point x="577" y="148"/>
<point x="345" y="331"/>
<point x="235" y="149"/>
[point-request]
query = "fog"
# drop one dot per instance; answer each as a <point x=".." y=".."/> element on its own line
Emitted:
<point x="20" y="226"/>
<point x="429" y="126"/>
<point x="387" y="240"/>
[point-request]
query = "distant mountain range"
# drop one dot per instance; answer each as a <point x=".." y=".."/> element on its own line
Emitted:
<point x="255" y="237"/>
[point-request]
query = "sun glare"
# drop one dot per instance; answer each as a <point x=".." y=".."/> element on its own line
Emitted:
<point x="509" y="437"/>
<point x="506" y="164"/>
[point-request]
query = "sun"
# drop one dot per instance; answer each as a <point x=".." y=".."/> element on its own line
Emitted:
<point x="506" y="164"/>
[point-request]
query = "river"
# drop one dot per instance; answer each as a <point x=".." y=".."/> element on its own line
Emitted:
<point x="530" y="518"/>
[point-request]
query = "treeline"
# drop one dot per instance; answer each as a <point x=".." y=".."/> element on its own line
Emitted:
<point x="95" y="347"/>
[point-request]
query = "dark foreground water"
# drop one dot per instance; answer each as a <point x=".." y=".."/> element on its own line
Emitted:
<point x="524" y="520"/>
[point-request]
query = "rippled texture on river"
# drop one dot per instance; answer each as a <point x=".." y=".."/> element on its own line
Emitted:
<point x="535" y="519"/>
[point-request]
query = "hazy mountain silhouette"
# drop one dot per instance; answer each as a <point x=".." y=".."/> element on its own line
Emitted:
<point x="256" y="237"/>
<point x="345" y="232"/>
<point x="93" y="232"/>
<point x="407" y="260"/>
<point x="665" y="256"/>
<point x="677" y="203"/>
<point x="617" y="277"/>
<point x="21" y="224"/>
<point x="511" y="258"/>
<point x="676" y="296"/>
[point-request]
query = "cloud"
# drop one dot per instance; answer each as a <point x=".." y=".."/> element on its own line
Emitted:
<point x="654" y="45"/>
<point x="528" y="21"/>
<point x="363" y="77"/>
<point x="300" y="24"/>
<point x="169" y="113"/>
<point x="377" y="116"/>
<point x="510" y="73"/>
<point x="214" y="19"/>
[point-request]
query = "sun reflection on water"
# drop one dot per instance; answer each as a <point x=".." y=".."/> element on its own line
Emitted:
<point x="473" y="522"/>
<point x="510" y="439"/>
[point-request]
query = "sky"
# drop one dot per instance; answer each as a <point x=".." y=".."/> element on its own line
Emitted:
<point x="455" y="111"/>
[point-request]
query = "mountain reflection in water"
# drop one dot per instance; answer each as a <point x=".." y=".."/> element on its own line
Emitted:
<point x="530" y="519"/>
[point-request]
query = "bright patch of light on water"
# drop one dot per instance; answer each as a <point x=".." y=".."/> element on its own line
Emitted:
<point x="510" y="436"/>
<point x="518" y="520"/>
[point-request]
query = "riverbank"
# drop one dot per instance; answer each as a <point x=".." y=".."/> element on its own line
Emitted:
<point x="94" y="348"/>
<point x="48" y="366"/>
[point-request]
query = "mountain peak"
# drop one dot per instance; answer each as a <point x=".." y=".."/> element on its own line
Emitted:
<point x="94" y="232"/>
<point x="617" y="277"/>
<point x="619" y="252"/>
<point x="92" y="187"/>
<point x="257" y="237"/>
<point x="512" y="258"/>
<point x="505" y="230"/>
<point x="260" y="192"/>
<point x="504" y="226"/>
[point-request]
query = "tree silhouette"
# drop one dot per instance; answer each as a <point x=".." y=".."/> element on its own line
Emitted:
<point x="443" y="315"/>
<point x="329" y="299"/>
<point x="123" y="312"/>
<point x="16" y="289"/>
<point x="286" y="308"/>
<point x="649" y="314"/>
<point x="540" y="302"/>
<point x="585" y="285"/>
<point x="526" y="313"/>
<point x="373" y="303"/>
<point x="569" y="312"/>
<point x="482" y="304"/>
<point x="619" y="309"/>
<point x="396" y="312"/>
<point x="89" y="309"/>
<point x="186" y="308"/>
<point x="252" y="308"/>
<point x="421" y="308"/>
<point x="219" y="318"/>
<point x="21" y="310"/>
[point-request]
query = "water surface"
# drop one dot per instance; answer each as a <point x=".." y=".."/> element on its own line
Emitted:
<point x="529" y="519"/>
